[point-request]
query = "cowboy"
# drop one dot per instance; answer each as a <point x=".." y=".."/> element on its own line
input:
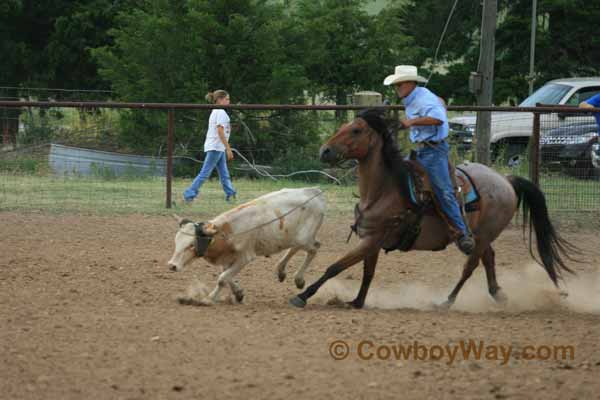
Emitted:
<point x="428" y="123"/>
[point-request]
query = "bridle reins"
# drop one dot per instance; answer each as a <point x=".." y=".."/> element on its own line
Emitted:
<point x="407" y="221"/>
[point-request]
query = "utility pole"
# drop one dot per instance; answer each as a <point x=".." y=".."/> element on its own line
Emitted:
<point x="532" y="44"/>
<point x="485" y="79"/>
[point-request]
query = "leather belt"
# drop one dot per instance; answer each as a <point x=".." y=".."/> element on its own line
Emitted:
<point x="428" y="143"/>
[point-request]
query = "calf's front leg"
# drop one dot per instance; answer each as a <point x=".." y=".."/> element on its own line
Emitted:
<point x="284" y="261"/>
<point x="311" y="252"/>
<point x="226" y="278"/>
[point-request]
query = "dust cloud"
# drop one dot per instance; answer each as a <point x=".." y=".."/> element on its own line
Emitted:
<point x="196" y="294"/>
<point x="527" y="289"/>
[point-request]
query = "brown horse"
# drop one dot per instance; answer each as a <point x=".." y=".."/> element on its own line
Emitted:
<point x="382" y="215"/>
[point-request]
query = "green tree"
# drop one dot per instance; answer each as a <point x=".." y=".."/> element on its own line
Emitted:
<point x="46" y="44"/>
<point x="564" y="45"/>
<point x="343" y="52"/>
<point x="83" y="26"/>
<point x="12" y="66"/>
<point x="176" y="51"/>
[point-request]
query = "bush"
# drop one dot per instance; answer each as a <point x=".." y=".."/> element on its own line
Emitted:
<point x="22" y="166"/>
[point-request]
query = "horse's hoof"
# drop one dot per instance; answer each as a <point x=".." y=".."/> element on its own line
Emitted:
<point x="355" y="304"/>
<point x="297" y="302"/>
<point x="299" y="283"/>
<point x="281" y="276"/>
<point x="443" y="306"/>
<point x="500" y="298"/>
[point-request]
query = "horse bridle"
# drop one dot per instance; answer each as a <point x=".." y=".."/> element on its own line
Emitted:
<point x="202" y="240"/>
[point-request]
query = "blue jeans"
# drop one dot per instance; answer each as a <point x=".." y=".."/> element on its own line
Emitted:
<point x="212" y="159"/>
<point x="435" y="161"/>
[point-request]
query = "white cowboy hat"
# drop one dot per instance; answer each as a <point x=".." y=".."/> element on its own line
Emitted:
<point x="404" y="73"/>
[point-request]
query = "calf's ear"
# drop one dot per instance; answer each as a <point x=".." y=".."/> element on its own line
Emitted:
<point x="178" y="219"/>
<point x="210" y="229"/>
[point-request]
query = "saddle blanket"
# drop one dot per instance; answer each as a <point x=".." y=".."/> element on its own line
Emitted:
<point x="468" y="192"/>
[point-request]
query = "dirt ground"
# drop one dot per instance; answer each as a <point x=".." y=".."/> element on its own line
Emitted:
<point x="89" y="310"/>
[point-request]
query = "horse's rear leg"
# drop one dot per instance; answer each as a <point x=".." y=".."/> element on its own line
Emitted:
<point x="368" y="271"/>
<point x="470" y="265"/>
<point x="489" y="262"/>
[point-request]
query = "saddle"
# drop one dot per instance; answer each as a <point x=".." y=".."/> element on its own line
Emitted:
<point x="423" y="199"/>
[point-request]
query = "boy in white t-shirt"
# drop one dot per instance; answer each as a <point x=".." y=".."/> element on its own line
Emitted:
<point x="216" y="148"/>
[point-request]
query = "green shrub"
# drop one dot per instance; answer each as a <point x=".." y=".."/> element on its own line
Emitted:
<point x="22" y="165"/>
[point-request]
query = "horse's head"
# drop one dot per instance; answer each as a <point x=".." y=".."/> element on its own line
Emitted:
<point x="355" y="139"/>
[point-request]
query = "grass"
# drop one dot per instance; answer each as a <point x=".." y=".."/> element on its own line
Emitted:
<point x="573" y="199"/>
<point x="144" y="196"/>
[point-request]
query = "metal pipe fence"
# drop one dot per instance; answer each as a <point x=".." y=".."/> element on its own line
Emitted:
<point x="275" y="145"/>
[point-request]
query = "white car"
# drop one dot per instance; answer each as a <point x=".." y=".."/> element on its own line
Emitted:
<point x="510" y="131"/>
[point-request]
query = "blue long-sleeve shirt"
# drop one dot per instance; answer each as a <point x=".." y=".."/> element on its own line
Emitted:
<point x="595" y="101"/>
<point x="421" y="102"/>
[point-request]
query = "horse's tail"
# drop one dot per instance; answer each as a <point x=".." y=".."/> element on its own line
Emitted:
<point x="551" y="247"/>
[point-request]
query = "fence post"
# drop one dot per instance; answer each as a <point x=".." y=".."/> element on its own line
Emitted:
<point x="169" y="172"/>
<point x="534" y="151"/>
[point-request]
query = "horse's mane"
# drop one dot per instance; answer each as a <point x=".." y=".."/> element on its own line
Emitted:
<point x="391" y="152"/>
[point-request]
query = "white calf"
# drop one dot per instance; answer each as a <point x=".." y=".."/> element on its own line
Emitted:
<point x="286" y="219"/>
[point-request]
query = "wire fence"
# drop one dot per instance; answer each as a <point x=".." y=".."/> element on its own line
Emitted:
<point x="569" y="161"/>
<point x="111" y="158"/>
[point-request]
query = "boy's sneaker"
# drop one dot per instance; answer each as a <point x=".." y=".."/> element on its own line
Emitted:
<point x="187" y="201"/>
<point x="230" y="197"/>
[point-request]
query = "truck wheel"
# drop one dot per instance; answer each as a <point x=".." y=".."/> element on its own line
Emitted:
<point x="509" y="154"/>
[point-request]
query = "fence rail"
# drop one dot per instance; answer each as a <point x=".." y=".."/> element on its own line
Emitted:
<point x="577" y="174"/>
<point x="542" y="108"/>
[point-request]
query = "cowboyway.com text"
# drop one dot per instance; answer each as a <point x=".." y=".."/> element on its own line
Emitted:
<point x="367" y="350"/>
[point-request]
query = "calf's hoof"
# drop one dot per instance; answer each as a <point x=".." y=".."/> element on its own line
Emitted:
<point x="194" y="302"/>
<point x="299" y="283"/>
<point x="297" y="302"/>
<point x="239" y="296"/>
<point x="281" y="276"/>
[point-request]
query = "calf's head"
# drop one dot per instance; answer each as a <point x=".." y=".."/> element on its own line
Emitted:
<point x="192" y="240"/>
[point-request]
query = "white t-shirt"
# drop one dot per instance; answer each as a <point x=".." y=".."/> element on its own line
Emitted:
<point x="213" y="142"/>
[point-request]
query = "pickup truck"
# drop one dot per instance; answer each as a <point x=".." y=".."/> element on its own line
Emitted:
<point x="574" y="148"/>
<point x="510" y="131"/>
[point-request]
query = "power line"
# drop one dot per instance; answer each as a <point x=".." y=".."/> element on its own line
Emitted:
<point x="55" y="89"/>
<point x="441" y="39"/>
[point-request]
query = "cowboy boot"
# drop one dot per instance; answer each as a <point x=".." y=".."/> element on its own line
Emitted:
<point x="466" y="243"/>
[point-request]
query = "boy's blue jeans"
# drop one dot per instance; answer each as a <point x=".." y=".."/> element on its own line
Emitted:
<point x="212" y="159"/>
<point x="435" y="160"/>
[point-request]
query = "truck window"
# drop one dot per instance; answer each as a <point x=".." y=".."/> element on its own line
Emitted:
<point x="551" y="93"/>
<point x="582" y="95"/>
